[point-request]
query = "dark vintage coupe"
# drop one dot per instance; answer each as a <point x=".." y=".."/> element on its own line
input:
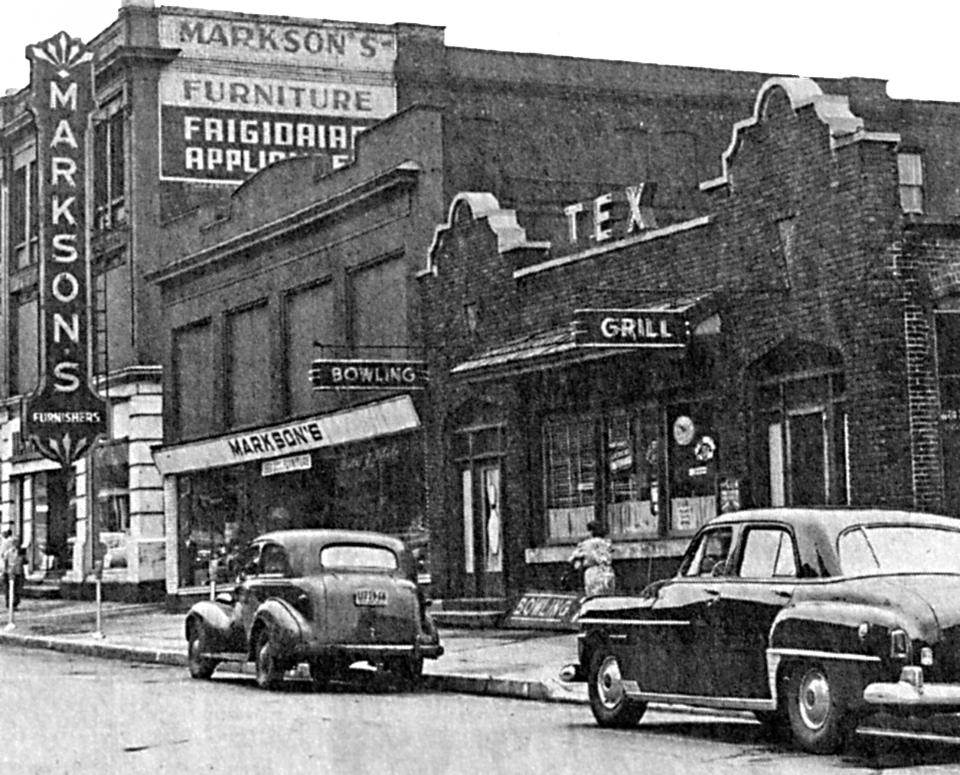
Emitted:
<point x="325" y="597"/>
<point x="808" y="617"/>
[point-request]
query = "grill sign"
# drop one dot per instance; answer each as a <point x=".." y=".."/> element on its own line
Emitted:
<point x="630" y="328"/>
<point x="368" y="375"/>
<point x="63" y="416"/>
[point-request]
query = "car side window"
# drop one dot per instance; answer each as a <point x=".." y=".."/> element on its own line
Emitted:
<point x="247" y="561"/>
<point x="767" y="553"/>
<point x="711" y="553"/>
<point x="273" y="559"/>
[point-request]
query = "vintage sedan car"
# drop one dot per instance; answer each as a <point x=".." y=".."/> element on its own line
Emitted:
<point x="808" y="617"/>
<point x="325" y="597"/>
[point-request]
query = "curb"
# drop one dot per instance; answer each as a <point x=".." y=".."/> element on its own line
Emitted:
<point x="101" y="650"/>
<point x="488" y="686"/>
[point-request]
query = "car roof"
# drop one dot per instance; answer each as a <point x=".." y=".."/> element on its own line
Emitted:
<point x="834" y="519"/>
<point x="320" y="537"/>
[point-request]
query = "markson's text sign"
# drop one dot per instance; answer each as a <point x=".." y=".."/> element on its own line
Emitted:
<point x="368" y="375"/>
<point x="63" y="416"/>
<point x="307" y="44"/>
<point x="245" y="93"/>
<point x="630" y="328"/>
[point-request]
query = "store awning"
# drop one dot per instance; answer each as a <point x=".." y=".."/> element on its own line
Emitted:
<point x="665" y="326"/>
<point x="369" y="421"/>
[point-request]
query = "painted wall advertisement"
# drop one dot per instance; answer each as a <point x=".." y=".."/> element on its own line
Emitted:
<point x="243" y="95"/>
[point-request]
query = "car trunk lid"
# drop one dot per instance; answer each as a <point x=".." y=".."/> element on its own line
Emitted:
<point x="371" y="607"/>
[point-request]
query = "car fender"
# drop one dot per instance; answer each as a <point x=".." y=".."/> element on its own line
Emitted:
<point x="217" y="622"/>
<point x="594" y="631"/>
<point x="287" y="625"/>
<point x="831" y="632"/>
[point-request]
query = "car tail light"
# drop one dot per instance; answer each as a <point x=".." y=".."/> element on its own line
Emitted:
<point x="926" y="656"/>
<point x="899" y="645"/>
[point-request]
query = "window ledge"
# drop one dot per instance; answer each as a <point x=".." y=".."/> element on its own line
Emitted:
<point x="622" y="550"/>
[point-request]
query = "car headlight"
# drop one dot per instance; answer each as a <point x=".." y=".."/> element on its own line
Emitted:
<point x="899" y="644"/>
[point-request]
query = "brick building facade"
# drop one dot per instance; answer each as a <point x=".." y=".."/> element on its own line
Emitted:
<point x="791" y="342"/>
<point x="303" y="262"/>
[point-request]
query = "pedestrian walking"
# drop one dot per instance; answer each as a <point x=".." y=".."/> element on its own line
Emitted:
<point x="594" y="557"/>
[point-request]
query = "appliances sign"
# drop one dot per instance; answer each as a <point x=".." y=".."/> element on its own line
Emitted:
<point x="63" y="416"/>
<point x="243" y="95"/>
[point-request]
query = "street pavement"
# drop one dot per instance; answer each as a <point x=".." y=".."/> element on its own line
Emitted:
<point x="511" y="663"/>
<point x="522" y="664"/>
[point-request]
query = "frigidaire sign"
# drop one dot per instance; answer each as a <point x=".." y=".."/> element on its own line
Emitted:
<point x="368" y="375"/>
<point x="248" y="91"/>
<point x="63" y="416"/>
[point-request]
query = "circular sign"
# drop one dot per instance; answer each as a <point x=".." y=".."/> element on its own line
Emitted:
<point x="705" y="449"/>
<point x="683" y="430"/>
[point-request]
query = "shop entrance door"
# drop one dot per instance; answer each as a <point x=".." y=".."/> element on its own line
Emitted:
<point x="799" y="474"/>
<point x="482" y="530"/>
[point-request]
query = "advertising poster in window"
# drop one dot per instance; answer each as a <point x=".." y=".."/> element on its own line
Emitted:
<point x="693" y="456"/>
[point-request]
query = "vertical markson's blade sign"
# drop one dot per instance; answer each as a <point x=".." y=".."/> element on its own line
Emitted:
<point x="63" y="416"/>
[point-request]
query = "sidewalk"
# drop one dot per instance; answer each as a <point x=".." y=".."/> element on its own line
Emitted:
<point x="509" y="663"/>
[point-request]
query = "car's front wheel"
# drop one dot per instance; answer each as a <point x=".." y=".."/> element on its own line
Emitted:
<point x="610" y="705"/>
<point x="200" y="667"/>
<point x="819" y="718"/>
<point x="269" y="669"/>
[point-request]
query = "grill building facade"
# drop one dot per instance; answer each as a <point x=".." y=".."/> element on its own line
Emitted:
<point x="793" y="342"/>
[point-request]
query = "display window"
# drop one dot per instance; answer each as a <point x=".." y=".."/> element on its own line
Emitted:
<point x="370" y="486"/>
<point x="602" y="466"/>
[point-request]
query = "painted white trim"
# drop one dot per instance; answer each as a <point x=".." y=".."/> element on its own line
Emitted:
<point x="832" y="109"/>
<point x="610" y="247"/>
<point x="638" y="622"/>
<point x="503" y="223"/>
<point x="813" y="654"/>
<point x="632" y="690"/>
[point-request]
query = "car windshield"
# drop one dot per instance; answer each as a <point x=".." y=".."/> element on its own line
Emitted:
<point x="899" y="549"/>
<point x="357" y="556"/>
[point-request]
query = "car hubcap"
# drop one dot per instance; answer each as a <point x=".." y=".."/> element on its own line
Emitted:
<point x="814" y="699"/>
<point x="609" y="689"/>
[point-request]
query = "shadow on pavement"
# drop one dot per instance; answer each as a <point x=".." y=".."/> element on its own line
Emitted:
<point x="870" y="749"/>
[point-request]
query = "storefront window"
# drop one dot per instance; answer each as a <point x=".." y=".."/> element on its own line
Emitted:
<point x="570" y="465"/>
<point x="692" y="460"/>
<point x="368" y="486"/>
<point x="112" y="502"/>
<point x="632" y="461"/>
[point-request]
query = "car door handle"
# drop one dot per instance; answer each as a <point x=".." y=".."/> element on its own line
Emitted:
<point x="714" y="595"/>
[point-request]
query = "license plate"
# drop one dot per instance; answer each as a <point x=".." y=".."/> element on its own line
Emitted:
<point x="369" y="597"/>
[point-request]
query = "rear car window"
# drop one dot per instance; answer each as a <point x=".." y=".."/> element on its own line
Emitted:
<point x="357" y="557"/>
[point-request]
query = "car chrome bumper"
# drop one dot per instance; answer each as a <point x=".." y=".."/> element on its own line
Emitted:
<point x="911" y="691"/>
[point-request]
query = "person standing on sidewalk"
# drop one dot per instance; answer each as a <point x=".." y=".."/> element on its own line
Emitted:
<point x="594" y="556"/>
<point x="18" y="572"/>
<point x="8" y="555"/>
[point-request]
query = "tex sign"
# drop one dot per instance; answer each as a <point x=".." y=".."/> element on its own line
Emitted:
<point x="63" y="415"/>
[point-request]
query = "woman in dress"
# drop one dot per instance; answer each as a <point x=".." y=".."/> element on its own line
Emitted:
<point x="594" y="556"/>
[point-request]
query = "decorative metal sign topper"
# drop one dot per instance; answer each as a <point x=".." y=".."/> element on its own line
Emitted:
<point x="63" y="415"/>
